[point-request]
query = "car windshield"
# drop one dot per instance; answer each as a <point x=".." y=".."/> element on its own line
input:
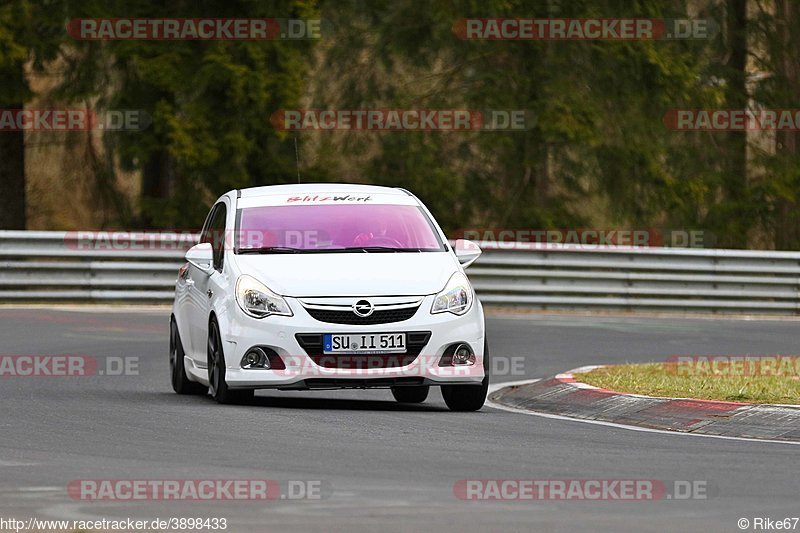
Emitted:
<point x="336" y="228"/>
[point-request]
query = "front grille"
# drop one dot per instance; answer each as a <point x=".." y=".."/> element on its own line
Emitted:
<point x="349" y="317"/>
<point x="312" y="344"/>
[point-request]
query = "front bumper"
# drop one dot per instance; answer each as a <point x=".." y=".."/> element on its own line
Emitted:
<point x="280" y="334"/>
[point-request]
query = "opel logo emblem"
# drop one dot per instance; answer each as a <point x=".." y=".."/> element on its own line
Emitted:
<point x="363" y="308"/>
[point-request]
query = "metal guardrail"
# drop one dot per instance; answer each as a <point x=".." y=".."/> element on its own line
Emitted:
<point x="72" y="266"/>
<point x="142" y="268"/>
<point x="675" y="279"/>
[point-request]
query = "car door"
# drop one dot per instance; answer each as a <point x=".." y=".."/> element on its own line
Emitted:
<point x="186" y="312"/>
<point x="199" y="284"/>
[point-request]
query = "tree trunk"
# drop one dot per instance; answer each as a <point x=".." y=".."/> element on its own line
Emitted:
<point x="12" y="166"/>
<point x="157" y="184"/>
<point x="735" y="183"/>
<point x="787" y="143"/>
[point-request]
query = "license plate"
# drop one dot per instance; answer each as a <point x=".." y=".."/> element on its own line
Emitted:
<point x="364" y="343"/>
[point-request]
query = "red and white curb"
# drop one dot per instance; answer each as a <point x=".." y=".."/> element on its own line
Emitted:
<point x="679" y="416"/>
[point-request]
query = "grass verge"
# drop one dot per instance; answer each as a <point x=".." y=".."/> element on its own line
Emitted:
<point x="665" y="379"/>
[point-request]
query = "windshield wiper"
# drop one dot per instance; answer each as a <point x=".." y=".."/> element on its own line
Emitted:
<point x="270" y="250"/>
<point x="287" y="250"/>
<point x="376" y="249"/>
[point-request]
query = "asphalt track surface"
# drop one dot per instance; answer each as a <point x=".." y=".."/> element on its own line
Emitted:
<point x="383" y="466"/>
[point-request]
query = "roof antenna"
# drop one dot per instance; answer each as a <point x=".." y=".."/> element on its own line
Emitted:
<point x="297" y="159"/>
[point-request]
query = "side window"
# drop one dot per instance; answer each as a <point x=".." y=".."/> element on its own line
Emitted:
<point x="205" y="234"/>
<point x="217" y="235"/>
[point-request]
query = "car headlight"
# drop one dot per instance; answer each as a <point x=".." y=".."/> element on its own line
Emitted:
<point x="257" y="301"/>
<point x="456" y="297"/>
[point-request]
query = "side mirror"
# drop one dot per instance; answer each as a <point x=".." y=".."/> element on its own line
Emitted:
<point x="201" y="256"/>
<point x="467" y="252"/>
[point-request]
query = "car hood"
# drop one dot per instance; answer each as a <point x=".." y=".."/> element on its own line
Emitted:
<point x="351" y="274"/>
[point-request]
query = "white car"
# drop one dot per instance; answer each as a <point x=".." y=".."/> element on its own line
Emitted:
<point x="327" y="286"/>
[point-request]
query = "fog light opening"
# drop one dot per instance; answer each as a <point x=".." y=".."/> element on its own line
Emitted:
<point x="463" y="355"/>
<point x="255" y="358"/>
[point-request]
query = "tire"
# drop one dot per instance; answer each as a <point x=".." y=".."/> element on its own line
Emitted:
<point x="469" y="397"/>
<point x="180" y="382"/>
<point x="216" y="371"/>
<point x="416" y="394"/>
